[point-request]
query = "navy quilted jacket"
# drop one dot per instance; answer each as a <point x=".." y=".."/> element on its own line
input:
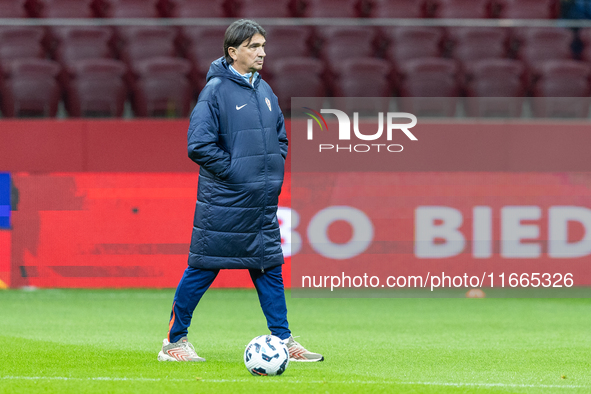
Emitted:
<point x="237" y="136"/>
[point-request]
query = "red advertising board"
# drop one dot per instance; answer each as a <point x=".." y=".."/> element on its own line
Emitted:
<point x="110" y="204"/>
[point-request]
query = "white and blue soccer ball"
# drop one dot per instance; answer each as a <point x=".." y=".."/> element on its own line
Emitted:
<point x="266" y="355"/>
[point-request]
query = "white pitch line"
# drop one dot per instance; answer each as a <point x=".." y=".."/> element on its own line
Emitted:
<point x="286" y="380"/>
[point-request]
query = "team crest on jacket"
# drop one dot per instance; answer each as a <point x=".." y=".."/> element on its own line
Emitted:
<point x="268" y="103"/>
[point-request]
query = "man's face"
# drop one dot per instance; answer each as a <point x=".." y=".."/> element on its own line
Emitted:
<point x="248" y="57"/>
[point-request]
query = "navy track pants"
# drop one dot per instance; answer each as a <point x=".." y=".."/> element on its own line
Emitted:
<point x="195" y="282"/>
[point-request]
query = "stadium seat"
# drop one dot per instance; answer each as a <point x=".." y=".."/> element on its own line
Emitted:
<point x="540" y="44"/>
<point x="163" y="88"/>
<point x="283" y="42"/>
<point x="263" y="9"/>
<point x="31" y="89"/>
<point x="128" y="8"/>
<point x="562" y="78"/>
<point x="197" y="9"/>
<point x="406" y="43"/>
<point x="528" y="9"/>
<point x="429" y="86"/>
<point x="363" y="77"/>
<point x="494" y="88"/>
<point x="475" y="43"/>
<point x="202" y="46"/>
<point x="339" y="43"/>
<point x="461" y="9"/>
<point x="64" y="9"/>
<point x="562" y="89"/>
<point x="293" y="72"/>
<point x="96" y="88"/>
<point x="142" y="42"/>
<point x="397" y="9"/>
<point x="331" y="9"/>
<point x="20" y="43"/>
<point x="77" y="43"/>
<point x="13" y="9"/>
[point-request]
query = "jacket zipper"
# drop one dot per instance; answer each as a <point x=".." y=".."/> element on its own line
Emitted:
<point x="256" y="93"/>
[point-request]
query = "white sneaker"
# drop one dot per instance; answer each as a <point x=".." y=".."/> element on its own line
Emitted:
<point x="178" y="351"/>
<point x="299" y="353"/>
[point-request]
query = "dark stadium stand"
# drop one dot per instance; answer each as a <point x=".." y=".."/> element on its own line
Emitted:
<point x="503" y="60"/>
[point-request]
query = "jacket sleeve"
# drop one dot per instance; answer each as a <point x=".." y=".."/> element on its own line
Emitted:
<point x="282" y="135"/>
<point x="203" y="139"/>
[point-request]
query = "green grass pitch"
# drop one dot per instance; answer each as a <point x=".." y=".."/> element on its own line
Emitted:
<point x="106" y="341"/>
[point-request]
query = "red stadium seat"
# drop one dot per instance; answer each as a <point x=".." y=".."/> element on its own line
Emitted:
<point x="129" y="8"/>
<point x="96" y="88"/>
<point x="528" y="9"/>
<point x="31" y="89"/>
<point x="397" y="9"/>
<point x="203" y="46"/>
<point x="162" y="88"/>
<point x="282" y="42"/>
<point x="406" y="43"/>
<point x="294" y="71"/>
<point x="331" y="9"/>
<point x="475" y="43"/>
<point x="144" y="42"/>
<point x="341" y="43"/>
<point x="562" y="89"/>
<point x="20" y="43"/>
<point x="495" y="88"/>
<point x="13" y="9"/>
<point x="77" y="43"/>
<point x="197" y="9"/>
<point x="461" y="8"/>
<point x="363" y="77"/>
<point x="65" y="9"/>
<point x="429" y="86"/>
<point x="541" y="44"/>
<point x="263" y="9"/>
<point x="562" y="78"/>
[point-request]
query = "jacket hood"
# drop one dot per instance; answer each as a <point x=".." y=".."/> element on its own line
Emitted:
<point x="221" y="69"/>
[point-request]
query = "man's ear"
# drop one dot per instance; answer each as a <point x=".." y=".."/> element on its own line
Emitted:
<point x="232" y="53"/>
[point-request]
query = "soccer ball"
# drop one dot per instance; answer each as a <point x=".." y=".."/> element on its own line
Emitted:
<point x="266" y="355"/>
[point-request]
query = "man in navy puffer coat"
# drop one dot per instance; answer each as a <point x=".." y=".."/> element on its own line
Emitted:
<point x="237" y="136"/>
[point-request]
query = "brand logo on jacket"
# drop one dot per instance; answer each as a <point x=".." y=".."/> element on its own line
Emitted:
<point x="239" y="108"/>
<point x="345" y="130"/>
<point x="268" y="103"/>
